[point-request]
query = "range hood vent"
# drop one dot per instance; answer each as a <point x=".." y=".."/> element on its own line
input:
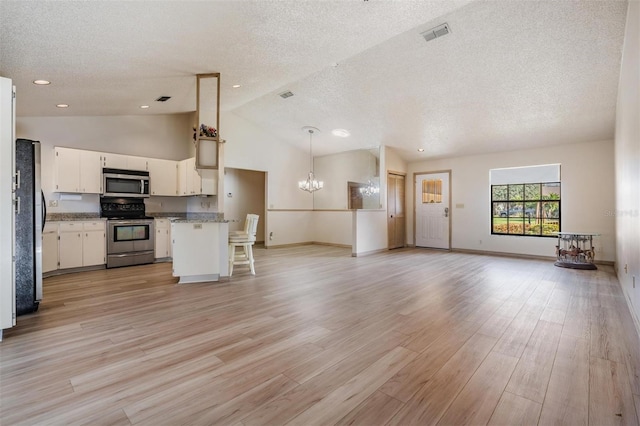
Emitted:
<point x="436" y="32"/>
<point x="163" y="98"/>
<point x="285" y="95"/>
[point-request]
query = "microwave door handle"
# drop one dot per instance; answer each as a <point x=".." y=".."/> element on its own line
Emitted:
<point x="142" y="186"/>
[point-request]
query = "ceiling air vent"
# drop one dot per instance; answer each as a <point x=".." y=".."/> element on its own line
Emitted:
<point x="436" y="32"/>
<point x="163" y="98"/>
<point x="285" y="95"/>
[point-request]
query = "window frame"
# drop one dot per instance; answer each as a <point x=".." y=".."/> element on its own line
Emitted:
<point x="523" y="202"/>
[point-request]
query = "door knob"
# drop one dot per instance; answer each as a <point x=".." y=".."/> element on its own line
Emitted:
<point x="446" y="212"/>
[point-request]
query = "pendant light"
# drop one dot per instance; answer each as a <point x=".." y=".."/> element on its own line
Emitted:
<point x="311" y="184"/>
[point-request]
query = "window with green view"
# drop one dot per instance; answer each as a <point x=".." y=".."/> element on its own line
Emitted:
<point x="530" y="209"/>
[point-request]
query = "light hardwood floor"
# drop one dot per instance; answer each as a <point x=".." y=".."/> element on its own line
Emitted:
<point x="404" y="337"/>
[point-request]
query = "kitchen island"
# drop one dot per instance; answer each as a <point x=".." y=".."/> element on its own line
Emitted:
<point x="200" y="249"/>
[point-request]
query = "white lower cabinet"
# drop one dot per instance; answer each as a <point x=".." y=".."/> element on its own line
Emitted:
<point x="81" y="244"/>
<point x="163" y="238"/>
<point x="94" y="239"/>
<point x="200" y="251"/>
<point x="70" y="245"/>
<point x="50" y="247"/>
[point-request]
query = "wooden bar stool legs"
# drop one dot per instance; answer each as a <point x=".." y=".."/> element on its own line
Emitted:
<point x="243" y="257"/>
<point x="244" y="240"/>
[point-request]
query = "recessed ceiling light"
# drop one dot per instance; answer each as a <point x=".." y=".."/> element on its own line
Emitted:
<point x="62" y="106"/>
<point x="341" y="133"/>
<point x="41" y="82"/>
<point x="235" y="86"/>
<point x="144" y="106"/>
<point x="420" y="149"/>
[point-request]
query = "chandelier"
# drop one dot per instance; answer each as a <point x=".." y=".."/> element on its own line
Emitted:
<point x="370" y="189"/>
<point x="311" y="184"/>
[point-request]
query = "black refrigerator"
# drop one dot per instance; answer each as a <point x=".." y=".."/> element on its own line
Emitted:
<point x="29" y="223"/>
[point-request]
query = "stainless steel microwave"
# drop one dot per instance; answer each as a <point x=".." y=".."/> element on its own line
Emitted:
<point x="125" y="183"/>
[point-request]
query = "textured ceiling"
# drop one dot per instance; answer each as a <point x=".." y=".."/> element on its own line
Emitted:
<point x="511" y="74"/>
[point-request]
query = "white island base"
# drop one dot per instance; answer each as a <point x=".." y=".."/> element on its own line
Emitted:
<point x="200" y="250"/>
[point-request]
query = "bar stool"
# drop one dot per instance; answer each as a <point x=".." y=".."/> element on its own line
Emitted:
<point x="245" y="240"/>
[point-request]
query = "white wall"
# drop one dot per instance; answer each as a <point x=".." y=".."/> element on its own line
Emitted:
<point x="368" y="231"/>
<point x="332" y="227"/>
<point x="154" y="136"/>
<point x="289" y="227"/>
<point x="587" y="171"/>
<point x="336" y="170"/>
<point x="393" y="161"/>
<point x="167" y="136"/>
<point x="627" y="159"/>
<point x="252" y="148"/>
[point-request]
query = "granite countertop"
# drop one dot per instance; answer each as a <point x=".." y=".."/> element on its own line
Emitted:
<point x="166" y="215"/>
<point x="61" y="217"/>
<point x="178" y="220"/>
<point x="174" y="216"/>
<point x="199" y="218"/>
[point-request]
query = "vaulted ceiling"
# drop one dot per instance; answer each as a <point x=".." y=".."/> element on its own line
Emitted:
<point x="510" y="74"/>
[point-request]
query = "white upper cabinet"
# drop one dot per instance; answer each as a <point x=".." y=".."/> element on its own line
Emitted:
<point x="163" y="175"/>
<point x="80" y="171"/>
<point x="186" y="170"/>
<point x="90" y="172"/>
<point x="125" y="162"/>
<point x="77" y="170"/>
<point x="137" y="163"/>
<point x="192" y="181"/>
<point x="114" y="161"/>
<point x="67" y="170"/>
<point x="209" y="181"/>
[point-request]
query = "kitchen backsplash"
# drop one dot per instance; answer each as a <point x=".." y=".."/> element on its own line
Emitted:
<point x="90" y="203"/>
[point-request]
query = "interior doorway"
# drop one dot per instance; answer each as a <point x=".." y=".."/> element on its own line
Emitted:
<point x="245" y="193"/>
<point x="432" y="210"/>
<point x="355" y="195"/>
<point x="396" y="222"/>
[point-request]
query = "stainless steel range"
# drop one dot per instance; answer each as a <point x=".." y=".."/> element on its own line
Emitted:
<point x="130" y="233"/>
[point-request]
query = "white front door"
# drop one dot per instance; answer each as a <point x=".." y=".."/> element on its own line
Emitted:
<point x="432" y="210"/>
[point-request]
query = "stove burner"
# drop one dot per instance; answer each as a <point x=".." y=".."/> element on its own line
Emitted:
<point x="122" y="208"/>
